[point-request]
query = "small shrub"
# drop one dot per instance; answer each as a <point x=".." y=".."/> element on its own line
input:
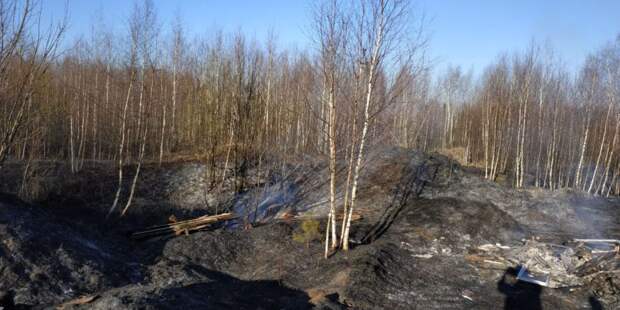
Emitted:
<point x="309" y="232"/>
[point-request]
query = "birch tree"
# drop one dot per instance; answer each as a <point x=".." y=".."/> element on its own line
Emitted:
<point x="330" y="30"/>
<point x="382" y="28"/>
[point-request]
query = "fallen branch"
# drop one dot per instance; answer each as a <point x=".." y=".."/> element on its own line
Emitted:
<point x="181" y="227"/>
<point x="593" y="275"/>
<point x="617" y="241"/>
<point x="78" y="301"/>
<point x="339" y="216"/>
<point x="290" y="218"/>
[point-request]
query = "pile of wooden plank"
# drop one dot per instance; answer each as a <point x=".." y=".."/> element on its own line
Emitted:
<point x="286" y="217"/>
<point x="182" y="227"/>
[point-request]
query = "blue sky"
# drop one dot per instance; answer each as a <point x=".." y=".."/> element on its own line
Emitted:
<point x="466" y="33"/>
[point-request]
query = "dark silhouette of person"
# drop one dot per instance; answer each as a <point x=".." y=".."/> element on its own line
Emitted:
<point x="595" y="304"/>
<point x="519" y="294"/>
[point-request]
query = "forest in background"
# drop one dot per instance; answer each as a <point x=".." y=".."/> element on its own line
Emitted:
<point x="151" y="93"/>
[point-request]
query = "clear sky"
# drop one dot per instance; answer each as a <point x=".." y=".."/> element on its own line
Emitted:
<point x="468" y="33"/>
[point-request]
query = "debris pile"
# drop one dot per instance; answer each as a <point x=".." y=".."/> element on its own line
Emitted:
<point x="579" y="262"/>
<point x="556" y="264"/>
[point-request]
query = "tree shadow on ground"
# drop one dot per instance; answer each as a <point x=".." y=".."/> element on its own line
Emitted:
<point x="410" y="186"/>
<point x="222" y="291"/>
<point x="595" y="303"/>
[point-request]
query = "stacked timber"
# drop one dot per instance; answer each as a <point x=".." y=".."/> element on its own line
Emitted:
<point x="182" y="227"/>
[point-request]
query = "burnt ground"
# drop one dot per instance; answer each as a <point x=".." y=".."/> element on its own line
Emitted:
<point x="423" y="216"/>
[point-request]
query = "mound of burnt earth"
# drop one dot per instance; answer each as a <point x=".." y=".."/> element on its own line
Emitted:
<point x="555" y="215"/>
<point x="179" y="188"/>
<point x="44" y="260"/>
<point x="429" y="237"/>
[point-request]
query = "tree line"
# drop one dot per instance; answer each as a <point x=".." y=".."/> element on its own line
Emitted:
<point x="150" y="93"/>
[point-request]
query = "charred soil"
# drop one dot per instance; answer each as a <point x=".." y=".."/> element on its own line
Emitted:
<point x="423" y="217"/>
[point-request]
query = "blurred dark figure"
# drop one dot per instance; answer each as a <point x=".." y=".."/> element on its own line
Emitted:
<point x="519" y="294"/>
<point x="595" y="304"/>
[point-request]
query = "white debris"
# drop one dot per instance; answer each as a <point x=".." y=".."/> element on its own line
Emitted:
<point x="487" y="247"/>
<point x="503" y="247"/>
<point x="467" y="297"/>
<point x="525" y="275"/>
<point x="467" y="294"/>
<point x="425" y="256"/>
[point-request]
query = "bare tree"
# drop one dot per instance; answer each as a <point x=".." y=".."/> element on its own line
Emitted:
<point x="382" y="29"/>
<point x="331" y="28"/>
<point x="143" y="34"/>
<point x="25" y="54"/>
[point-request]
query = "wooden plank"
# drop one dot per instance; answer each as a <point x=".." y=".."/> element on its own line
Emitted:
<point x="598" y="240"/>
<point x="78" y="301"/>
<point x="186" y="226"/>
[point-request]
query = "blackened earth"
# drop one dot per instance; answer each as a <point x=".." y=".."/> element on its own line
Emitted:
<point x="422" y="215"/>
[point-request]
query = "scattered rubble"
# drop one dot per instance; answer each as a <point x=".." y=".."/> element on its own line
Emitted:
<point x="548" y="264"/>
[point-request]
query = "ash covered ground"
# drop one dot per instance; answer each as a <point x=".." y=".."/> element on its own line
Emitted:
<point x="423" y="217"/>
